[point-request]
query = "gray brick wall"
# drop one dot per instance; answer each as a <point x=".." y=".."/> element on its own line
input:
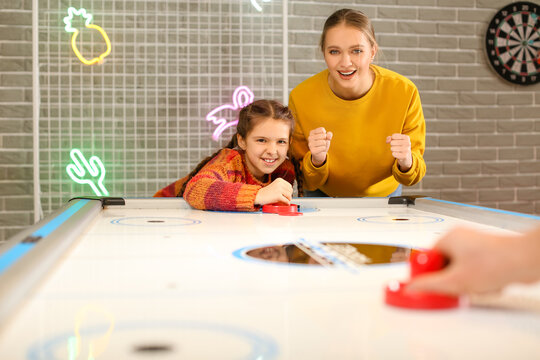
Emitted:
<point x="483" y="133"/>
<point x="16" y="200"/>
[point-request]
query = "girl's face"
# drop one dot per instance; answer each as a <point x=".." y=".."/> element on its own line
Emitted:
<point x="266" y="146"/>
<point x="348" y="54"/>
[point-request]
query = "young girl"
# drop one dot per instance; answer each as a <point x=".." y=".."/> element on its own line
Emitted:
<point x="252" y="170"/>
<point x="360" y="130"/>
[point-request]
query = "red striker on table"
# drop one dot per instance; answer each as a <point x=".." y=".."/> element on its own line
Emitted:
<point x="420" y="262"/>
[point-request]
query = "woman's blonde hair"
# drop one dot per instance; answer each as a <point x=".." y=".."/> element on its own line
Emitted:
<point x="349" y="17"/>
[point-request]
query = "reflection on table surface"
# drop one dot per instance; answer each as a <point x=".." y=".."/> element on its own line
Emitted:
<point x="359" y="254"/>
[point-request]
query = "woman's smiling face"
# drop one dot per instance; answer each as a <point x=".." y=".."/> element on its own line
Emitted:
<point x="348" y="53"/>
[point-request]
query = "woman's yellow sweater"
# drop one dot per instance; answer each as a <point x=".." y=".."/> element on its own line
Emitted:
<point x="359" y="161"/>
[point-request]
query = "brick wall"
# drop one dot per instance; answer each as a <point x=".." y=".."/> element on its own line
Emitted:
<point x="16" y="200"/>
<point x="483" y="142"/>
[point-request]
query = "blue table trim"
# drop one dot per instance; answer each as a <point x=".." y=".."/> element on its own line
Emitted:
<point x="19" y="250"/>
<point x="60" y="219"/>
<point x="487" y="209"/>
<point x="14" y="254"/>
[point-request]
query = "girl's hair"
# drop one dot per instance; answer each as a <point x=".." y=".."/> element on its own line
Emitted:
<point x="349" y="17"/>
<point x="247" y="119"/>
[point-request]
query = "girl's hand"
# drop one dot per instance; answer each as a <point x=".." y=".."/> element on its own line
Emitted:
<point x="319" y="143"/>
<point x="279" y="190"/>
<point x="400" y="145"/>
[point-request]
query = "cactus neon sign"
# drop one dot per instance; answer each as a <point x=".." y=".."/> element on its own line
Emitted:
<point x="90" y="172"/>
<point x="70" y="29"/>
<point x="242" y="96"/>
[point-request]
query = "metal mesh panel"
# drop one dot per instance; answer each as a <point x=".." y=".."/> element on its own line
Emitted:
<point x="143" y="110"/>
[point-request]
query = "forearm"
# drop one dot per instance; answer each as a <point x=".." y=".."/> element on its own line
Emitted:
<point x="483" y="262"/>
<point x="211" y="194"/>
<point x="414" y="174"/>
<point x="415" y="128"/>
<point x="314" y="177"/>
<point x="525" y="256"/>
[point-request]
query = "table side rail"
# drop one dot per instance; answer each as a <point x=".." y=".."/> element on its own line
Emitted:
<point x="17" y="280"/>
<point x="308" y="202"/>
<point x="487" y="216"/>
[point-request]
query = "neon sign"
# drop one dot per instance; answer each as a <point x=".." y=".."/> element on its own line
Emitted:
<point x="70" y="29"/>
<point x="256" y="5"/>
<point x="242" y="96"/>
<point x="97" y="345"/>
<point x="86" y="172"/>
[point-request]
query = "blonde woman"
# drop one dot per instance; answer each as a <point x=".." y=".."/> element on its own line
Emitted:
<point x="360" y="129"/>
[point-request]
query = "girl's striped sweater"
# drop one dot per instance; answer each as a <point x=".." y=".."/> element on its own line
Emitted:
<point x="225" y="183"/>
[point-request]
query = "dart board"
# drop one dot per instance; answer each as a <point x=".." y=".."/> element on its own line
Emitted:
<point x="513" y="42"/>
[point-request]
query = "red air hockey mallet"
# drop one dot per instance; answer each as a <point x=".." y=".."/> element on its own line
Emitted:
<point x="281" y="209"/>
<point x="420" y="262"/>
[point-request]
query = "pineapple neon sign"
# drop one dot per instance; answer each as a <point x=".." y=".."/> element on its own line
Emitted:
<point x="88" y="24"/>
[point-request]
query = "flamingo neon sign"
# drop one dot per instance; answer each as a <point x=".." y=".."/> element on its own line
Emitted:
<point x="242" y="96"/>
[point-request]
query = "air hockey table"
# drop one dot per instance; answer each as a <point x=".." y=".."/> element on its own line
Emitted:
<point x="153" y="278"/>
